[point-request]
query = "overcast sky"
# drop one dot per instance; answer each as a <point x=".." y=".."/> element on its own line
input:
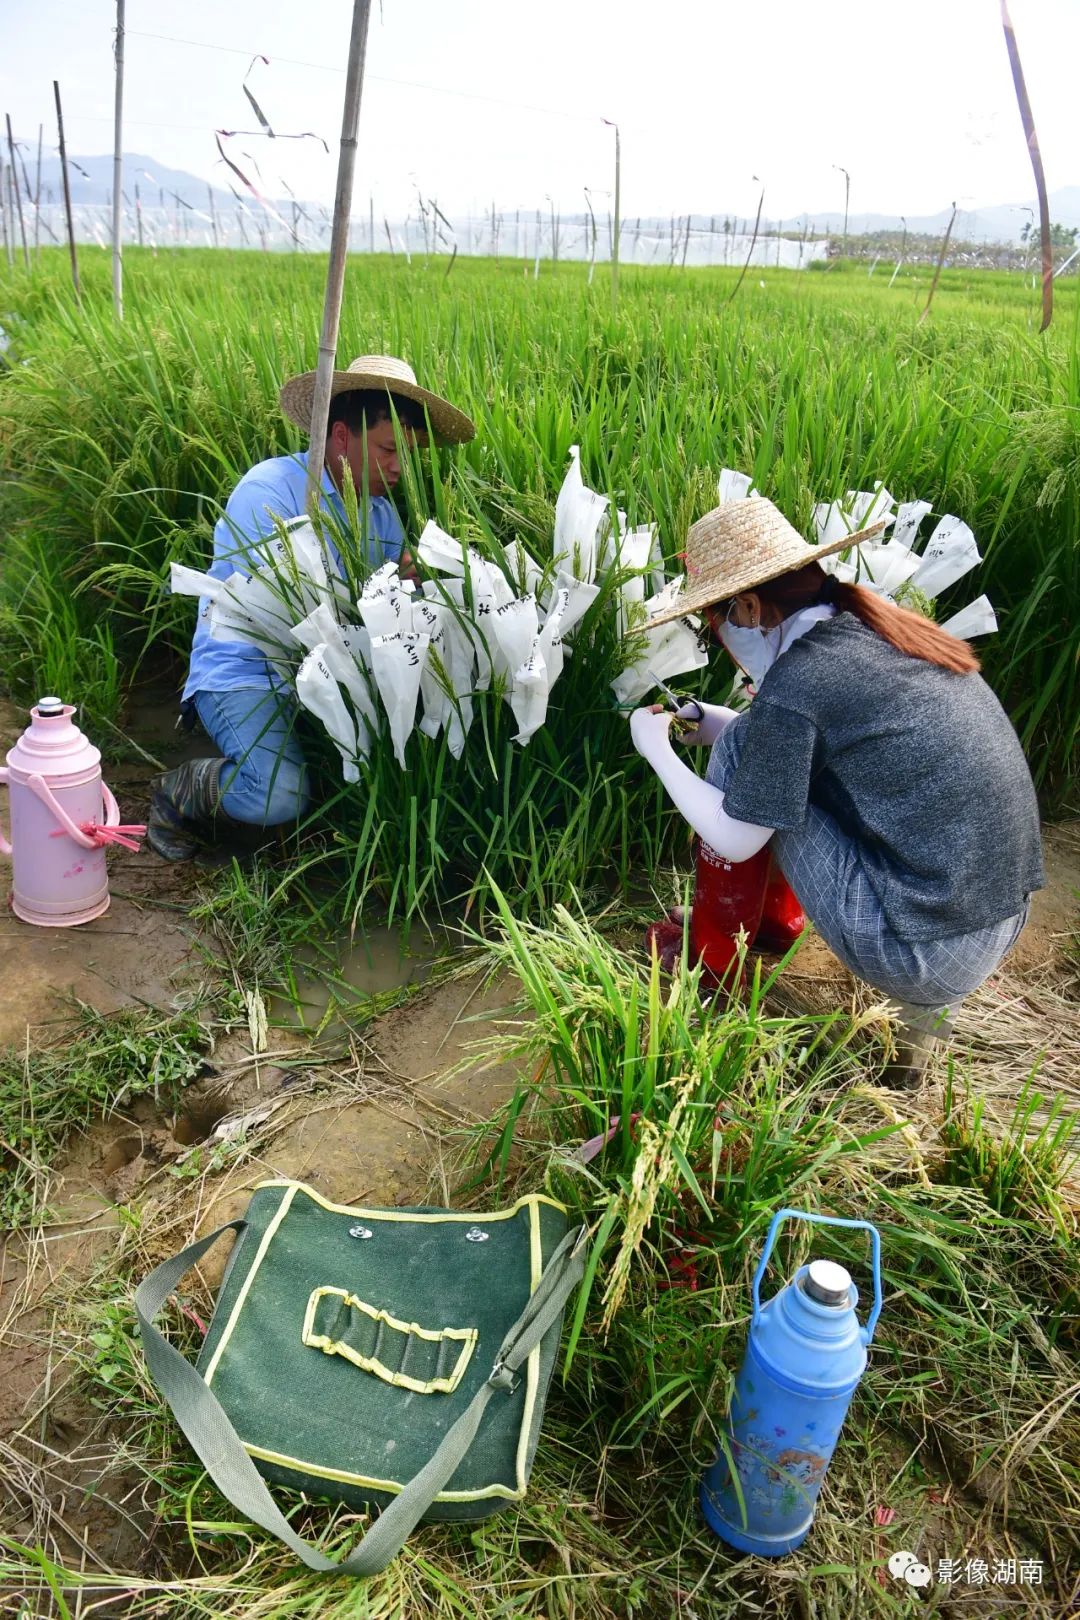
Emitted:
<point x="501" y="100"/>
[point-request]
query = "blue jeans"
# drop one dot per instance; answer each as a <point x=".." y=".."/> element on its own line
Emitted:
<point x="264" y="780"/>
<point x="824" y="867"/>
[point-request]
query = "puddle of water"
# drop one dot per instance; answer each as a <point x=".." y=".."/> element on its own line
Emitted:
<point x="378" y="962"/>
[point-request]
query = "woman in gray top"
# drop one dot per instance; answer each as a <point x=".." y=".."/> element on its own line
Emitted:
<point x="874" y="761"/>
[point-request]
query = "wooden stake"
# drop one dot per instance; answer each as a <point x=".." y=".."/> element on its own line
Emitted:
<point x="1028" y="121"/>
<point x="118" y="167"/>
<point x="18" y="194"/>
<point x="67" y="195"/>
<point x="339" y="242"/>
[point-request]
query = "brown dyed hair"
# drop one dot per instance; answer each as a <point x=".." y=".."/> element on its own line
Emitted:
<point x="908" y="632"/>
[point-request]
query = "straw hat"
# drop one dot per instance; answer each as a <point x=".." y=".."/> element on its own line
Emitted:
<point x="740" y="545"/>
<point x="378" y="371"/>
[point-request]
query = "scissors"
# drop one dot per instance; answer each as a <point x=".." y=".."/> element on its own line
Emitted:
<point x="695" y="713"/>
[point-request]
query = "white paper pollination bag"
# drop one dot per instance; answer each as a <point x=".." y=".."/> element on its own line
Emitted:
<point x="888" y="566"/>
<point x="418" y="659"/>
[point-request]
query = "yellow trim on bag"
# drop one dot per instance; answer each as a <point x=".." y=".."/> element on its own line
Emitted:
<point x="404" y="1215"/>
<point x="293" y="1189"/>
<point x="335" y="1347"/>
<point x="391" y="1486"/>
<point x="533" y="1200"/>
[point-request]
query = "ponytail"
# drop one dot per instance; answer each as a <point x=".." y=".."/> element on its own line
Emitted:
<point x="903" y="629"/>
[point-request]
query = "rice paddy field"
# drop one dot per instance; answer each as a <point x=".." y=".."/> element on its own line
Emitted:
<point x="540" y="1023"/>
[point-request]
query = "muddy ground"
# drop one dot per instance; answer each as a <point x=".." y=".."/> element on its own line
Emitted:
<point x="390" y="1129"/>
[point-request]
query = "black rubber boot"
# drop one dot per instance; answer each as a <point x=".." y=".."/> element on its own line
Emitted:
<point x="911" y="1053"/>
<point x="185" y="810"/>
<point x="919" y="1031"/>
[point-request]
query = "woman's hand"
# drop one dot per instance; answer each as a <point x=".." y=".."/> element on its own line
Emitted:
<point x="650" y="731"/>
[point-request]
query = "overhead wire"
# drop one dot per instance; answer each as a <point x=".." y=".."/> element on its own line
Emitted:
<point x="380" y="78"/>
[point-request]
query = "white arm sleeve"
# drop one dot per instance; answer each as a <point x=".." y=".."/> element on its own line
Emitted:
<point x="702" y="805"/>
<point x="714" y="719"/>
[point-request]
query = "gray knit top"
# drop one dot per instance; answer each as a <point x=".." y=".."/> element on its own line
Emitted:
<point x="919" y="767"/>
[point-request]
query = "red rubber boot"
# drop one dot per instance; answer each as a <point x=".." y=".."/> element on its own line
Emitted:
<point x="728" y="896"/>
<point x="782" y="917"/>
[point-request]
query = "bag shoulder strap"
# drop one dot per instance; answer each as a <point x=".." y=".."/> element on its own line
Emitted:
<point x="211" y="1434"/>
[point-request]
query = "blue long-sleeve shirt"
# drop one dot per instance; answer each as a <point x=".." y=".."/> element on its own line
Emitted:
<point x="276" y="488"/>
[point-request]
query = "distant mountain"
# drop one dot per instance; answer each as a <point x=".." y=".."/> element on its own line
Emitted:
<point x="91" y="184"/>
<point x="91" y="181"/>
<point x="1002" y="222"/>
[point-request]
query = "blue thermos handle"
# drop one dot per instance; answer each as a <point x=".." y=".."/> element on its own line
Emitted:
<point x="866" y="1333"/>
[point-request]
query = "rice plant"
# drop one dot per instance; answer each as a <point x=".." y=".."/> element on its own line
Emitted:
<point x="120" y="443"/>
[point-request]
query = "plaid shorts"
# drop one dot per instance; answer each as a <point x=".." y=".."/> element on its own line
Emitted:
<point x="824" y="867"/>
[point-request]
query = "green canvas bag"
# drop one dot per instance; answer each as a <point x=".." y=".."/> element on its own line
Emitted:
<point x="390" y="1357"/>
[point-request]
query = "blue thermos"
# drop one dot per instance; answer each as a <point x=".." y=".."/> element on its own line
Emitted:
<point x="804" y="1357"/>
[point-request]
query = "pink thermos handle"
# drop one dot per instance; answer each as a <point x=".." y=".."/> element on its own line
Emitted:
<point x="5" y="847"/>
<point x="112" y="809"/>
<point x="40" y="789"/>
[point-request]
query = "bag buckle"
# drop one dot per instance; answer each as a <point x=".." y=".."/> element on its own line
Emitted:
<point x="502" y="1377"/>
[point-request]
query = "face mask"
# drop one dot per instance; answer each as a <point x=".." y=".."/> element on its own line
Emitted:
<point x="753" y="649"/>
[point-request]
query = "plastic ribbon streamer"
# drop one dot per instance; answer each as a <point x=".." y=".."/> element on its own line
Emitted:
<point x="126" y="834"/>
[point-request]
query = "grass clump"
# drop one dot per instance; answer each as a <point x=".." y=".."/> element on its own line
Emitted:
<point x="103" y="1063"/>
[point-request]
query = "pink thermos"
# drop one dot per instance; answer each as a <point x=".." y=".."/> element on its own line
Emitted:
<point x="62" y="817"/>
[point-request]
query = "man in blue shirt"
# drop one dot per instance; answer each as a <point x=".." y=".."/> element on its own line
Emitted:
<point x="258" y="777"/>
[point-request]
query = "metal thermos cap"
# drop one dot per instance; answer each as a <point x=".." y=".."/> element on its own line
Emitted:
<point x="828" y="1283"/>
<point x="48" y="706"/>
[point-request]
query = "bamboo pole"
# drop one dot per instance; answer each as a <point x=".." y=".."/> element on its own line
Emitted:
<point x="592" y="220"/>
<point x="4" y="188"/>
<point x="617" y="224"/>
<point x="18" y="194"/>
<point x="213" y="212"/>
<point x="67" y="194"/>
<point x="941" y="261"/>
<point x="118" y="167"/>
<point x="1023" y="101"/>
<point x="138" y="214"/>
<point x="37" y="195"/>
<point x="753" y="244"/>
<point x="339" y="242"/>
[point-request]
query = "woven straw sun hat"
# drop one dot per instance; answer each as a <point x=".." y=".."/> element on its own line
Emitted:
<point x="743" y="544"/>
<point x="378" y="371"/>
